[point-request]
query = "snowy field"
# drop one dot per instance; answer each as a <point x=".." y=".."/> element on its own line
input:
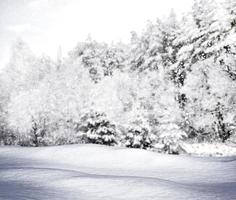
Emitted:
<point x="89" y="172"/>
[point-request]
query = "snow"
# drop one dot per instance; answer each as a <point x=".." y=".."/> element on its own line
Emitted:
<point x="94" y="172"/>
<point x="210" y="149"/>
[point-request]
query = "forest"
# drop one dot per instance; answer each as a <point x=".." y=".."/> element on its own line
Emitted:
<point x="173" y="83"/>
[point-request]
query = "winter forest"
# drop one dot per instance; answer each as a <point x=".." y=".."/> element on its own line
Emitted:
<point x="173" y="84"/>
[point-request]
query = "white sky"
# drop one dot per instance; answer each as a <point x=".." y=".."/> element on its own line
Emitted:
<point x="46" y="24"/>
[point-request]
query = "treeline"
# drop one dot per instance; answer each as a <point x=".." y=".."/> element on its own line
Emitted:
<point x="175" y="81"/>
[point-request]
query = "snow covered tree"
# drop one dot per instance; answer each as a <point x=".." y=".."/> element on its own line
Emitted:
<point x="17" y="70"/>
<point x="206" y="34"/>
<point x="230" y="6"/>
<point x="154" y="47"/>
<point x="99" y="58"/>
<point x="225" y="50"/>
<point x="170" y="138"/>
<point x="170" y="33"/>
<point x="24" y="70"/>
<point x="169" y="117"/>
<point x="144" y="49"/>
<point x="47" y="114"/>
<point x="207" y="48"/>
<point x="198" y="34"/>
<point x="138" y="137"/>
<point x="6" y="136"/>
<point x="98" y="129"/>
<point x="156" y="106"/>
<point x="24" y="116"/>
<point x="211" y="100"/>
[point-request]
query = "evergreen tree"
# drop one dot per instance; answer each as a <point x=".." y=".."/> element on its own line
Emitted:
<point x="98" y="130"/>
<point x="154" y="47"/>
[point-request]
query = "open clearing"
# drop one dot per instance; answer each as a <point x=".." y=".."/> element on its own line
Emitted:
<point x="93" y="172"/>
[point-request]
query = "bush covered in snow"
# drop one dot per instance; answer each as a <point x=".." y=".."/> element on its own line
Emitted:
<point x="7" y="137"/>
<point x="138" y="137"/>
<point x="170" y="138"/>
<point x="98" y="129"/>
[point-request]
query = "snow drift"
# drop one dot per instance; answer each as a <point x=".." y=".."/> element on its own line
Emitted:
<point x="87" y="172"/>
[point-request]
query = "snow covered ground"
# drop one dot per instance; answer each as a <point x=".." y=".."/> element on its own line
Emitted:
<point x="210" y="149"/>
<point x="89" y="172"/>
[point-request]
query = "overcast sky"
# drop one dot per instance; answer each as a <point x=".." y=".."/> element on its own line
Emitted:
<point x="46" y="24"/>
